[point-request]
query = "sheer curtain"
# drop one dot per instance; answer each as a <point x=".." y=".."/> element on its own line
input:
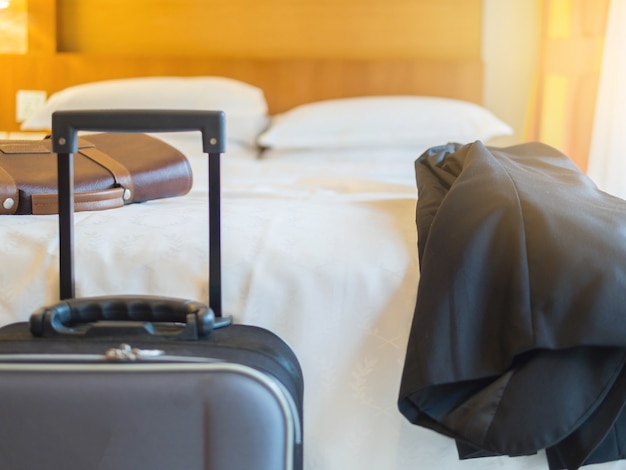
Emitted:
<point x="607" y="157"/>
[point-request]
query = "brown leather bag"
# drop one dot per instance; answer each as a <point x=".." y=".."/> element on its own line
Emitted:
<point x="110" y="170"/>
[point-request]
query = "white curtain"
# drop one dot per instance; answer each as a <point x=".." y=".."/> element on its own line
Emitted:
<point x="607" y="157"/>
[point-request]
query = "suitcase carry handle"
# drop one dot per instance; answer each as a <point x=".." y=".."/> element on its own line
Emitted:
<point x="65" y="127"/>
<point x="136" y="314"/>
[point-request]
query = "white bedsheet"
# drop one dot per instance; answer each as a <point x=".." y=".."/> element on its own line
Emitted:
<point x="318" y="247"/>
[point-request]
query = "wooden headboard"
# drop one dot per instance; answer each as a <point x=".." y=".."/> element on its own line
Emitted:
<point x="427" y="47"/>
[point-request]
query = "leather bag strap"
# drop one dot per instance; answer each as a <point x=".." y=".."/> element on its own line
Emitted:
<point x="8" y="193"/>
<point x="120" y="173"/>
<point x="46" y="204"/>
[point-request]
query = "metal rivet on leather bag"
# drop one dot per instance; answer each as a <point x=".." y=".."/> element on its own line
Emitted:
<point x="127" y="194"/>
<point x="8" y="203"/>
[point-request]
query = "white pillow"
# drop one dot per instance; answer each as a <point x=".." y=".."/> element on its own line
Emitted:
<point x="382" y="121"/>
<point x="244" y="105"/>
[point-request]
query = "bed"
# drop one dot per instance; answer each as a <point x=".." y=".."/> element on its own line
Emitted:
<point x="318" y="245"/>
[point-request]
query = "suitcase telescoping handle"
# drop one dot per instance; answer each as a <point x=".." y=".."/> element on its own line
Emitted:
<point x="65" y="127"/>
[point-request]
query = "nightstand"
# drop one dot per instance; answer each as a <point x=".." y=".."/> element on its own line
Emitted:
<point x="23" y="135"/>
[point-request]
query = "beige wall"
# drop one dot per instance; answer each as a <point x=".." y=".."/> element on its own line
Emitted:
<point x="509" y="50"/>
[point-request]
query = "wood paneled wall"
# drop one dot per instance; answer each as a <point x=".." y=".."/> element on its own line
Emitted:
<point x="295" y="50"/>
<point x="273" y="28"/>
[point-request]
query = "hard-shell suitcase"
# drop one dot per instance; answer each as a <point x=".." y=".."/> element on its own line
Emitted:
<point x="142" y="382"/>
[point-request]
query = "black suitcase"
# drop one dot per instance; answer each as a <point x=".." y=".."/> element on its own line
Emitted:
<point x="143" y="382"/>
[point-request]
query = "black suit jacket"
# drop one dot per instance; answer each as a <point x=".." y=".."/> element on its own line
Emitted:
<point x="519" y="333"/>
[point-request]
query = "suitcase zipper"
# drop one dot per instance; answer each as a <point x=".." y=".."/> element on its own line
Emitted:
<point x="126" y="352"/>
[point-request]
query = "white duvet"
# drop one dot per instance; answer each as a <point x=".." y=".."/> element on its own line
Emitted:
<point x="317" y="246"/>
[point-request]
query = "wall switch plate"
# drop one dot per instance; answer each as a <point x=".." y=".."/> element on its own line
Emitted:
<point x="28" y="102"/>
